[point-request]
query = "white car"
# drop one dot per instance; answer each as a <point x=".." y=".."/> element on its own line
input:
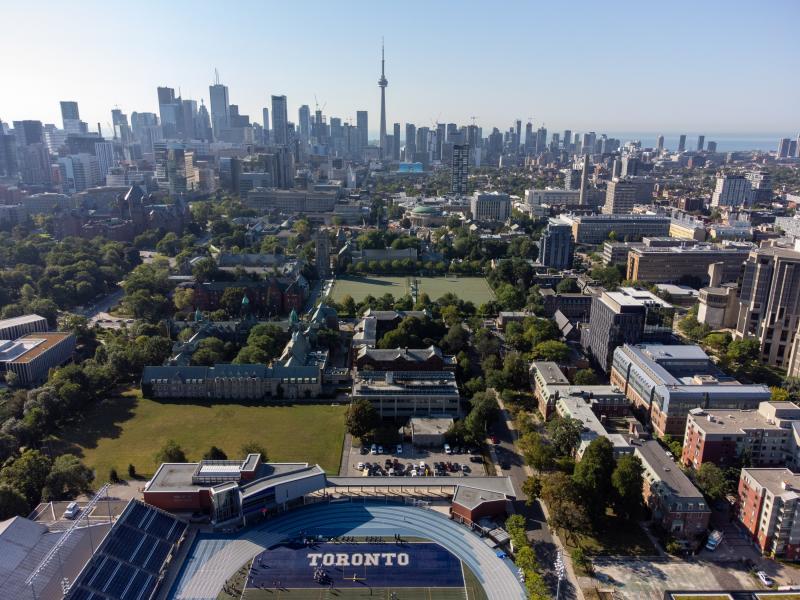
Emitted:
<point x="399" y="448"/>
<point x="765" y="579"/>
<point x="360" y="466"/>
<point x="447" y="449"/>
<point x="373" y="449"/>
<point x="380" y="449"/>
<point x="72" y="510"/>
<point x="414" y="472"/>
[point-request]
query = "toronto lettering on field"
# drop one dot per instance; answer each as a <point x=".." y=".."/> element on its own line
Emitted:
<point x="358" y="559"/>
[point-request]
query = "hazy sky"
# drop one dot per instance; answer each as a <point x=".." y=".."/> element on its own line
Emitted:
<point x="719" y="66"/>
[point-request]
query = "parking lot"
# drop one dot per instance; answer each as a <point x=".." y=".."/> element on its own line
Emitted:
<point x="407" y="461"/>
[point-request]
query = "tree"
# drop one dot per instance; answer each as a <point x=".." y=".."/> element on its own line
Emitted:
<point x="627" y="482"/>
<point x="532" y="488"/>
<point x="585" y="377"/>
<point x="456" y="339"/>
<point x="558" y="493"/>
<point x="171" y="452"/>
<point x="536" y="451"/>
<point x="565" y="433"/>
<point x="68" y="478"/>
<point x="183" y="298"/>
<point x="253" y="447"/>
<point x="780" y="394"/>
<point x="593" y="477"/>
<point x="215" y="453"/>
<point x="361" y="418"/>
<point x="12" y="502"/>
<point x="484" y="410"/>
<point x="567" y="286"/>
<point x="210" y="351"/>
<point x="711" y="481"/>
<point x="551" y="350"/>
<point x="27" y="474"/>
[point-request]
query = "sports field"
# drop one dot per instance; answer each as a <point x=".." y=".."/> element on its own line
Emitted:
<point x="130" y="430"/>
<point x="473" y="289"/>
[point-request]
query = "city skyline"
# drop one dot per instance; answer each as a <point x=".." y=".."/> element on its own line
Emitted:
<point x="486" y="77"/>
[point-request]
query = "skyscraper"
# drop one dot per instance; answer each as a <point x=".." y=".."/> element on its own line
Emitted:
<point x="396" y="142"/>
<point x="411" y="142"/>
<point x="731" y="190"/>
<point x="701" y="142"/>
<point x="280" y="119"/>
<point x="620" y="197"/>
<point x="460" y="169"/>
<point x="265" y="118"/>
<point x="304" y="116"/>
<point x="584" y="177"/>
<point x="567" y="139"/>
<point x="660" y="144"/>
<point x="220" y="107"/>
<point x="362" y="127"/>
<point x="783" y="147"/>
<point x="71" y="118"/>
<point x="556" y="246"/>
<point x="682" y="143"/>
<point x="382" y="83"/>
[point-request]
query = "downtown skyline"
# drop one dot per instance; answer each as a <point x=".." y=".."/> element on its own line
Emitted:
<point x="672" y="91"/>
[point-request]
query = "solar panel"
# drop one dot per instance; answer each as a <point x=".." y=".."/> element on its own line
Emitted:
<point x="120" y="581"/>
<point x="138" y="584"/>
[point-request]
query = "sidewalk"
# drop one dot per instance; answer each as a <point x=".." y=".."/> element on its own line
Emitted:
<point x="570" y="571"/>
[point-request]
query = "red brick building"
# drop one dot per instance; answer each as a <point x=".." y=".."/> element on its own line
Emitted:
<point x="275" y="295"/>
<point x="470" y="505"/>
<point x="404" y="359"/>
<point x="767" y="507"/>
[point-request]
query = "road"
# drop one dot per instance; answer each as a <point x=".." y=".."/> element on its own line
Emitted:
<point x="97" y="313"/>
<point x="537" y="529"/>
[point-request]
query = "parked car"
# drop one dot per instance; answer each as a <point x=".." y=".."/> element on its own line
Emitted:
<point x="714" y="540"/>
<point x="360" y="466"/>
<point x="373" y="449"/>
<point x="447" y="449"/>
<point x="505" y="465"/>
<point x="72" y="510"/>
<point x="475" y="459"/>
<point x="380" y="449"/>
<point x="765" y="579"/>
<point x="399" y="448"/>
<point x="364" y="450"/>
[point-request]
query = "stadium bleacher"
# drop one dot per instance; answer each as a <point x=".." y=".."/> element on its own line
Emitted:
<point x="127" y="564"/>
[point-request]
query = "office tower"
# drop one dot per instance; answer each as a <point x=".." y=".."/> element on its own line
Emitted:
<point x="71" y="118"/>
<point x="104" y="151"/>
<point x="382" y="83"/>
<point x="146" y="130"/>
<point x="29" y="132"/>
<point x="220" y="108"/>
<point x="529" y="142"/>
<point x="167" y="111"/>
<point x="701" y="140"/>
<point x="189" y="119"/>
<point x="627" y="316"/>
<point x="423" y="151"/>
<point x="175" y="170"/>
<point x="79" y="172"/>
<point x="712" y="147"/>
<point x="541" y="140"/>
<point x="567" y="140"/>
<point x="460" y="170"/>
<point x="204" y="130"/>
<point x="797" y="147"/>
<point x="769" y="302"/>
<point x="584" y="181"/>
<point x="517" y="135"/>
<point x="34" y="163"/>
<point x="490" y="206"/>
<point x="616" y="168"/>
<point x="630" y="166"/>
<point x="362" y="129"/>
<point x="411" y="142"/>
<point x="731" y="190"/>
<point x="556" y="246"/>
<point x="783" y="148"/>
<point x="682" y="143"/>
<point x="660" y="144"/>
<point x="620" y="197"/>
<point x="280" y="165"/>
<point x="304" y="122"/>
<point x="396" y="142"/>
<point x="9" y="166"/>
<point x="760" y="186"/>
<point x="265" y="125"/>
<point x="280" y="119"/>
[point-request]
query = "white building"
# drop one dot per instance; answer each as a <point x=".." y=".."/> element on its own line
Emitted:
<point x="731" y="190"/>
<point x="490" y="206"/>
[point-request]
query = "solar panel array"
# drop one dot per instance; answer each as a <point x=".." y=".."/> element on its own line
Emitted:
<point x="128" y="563"/>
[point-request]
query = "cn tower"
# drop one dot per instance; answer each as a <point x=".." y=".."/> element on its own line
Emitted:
<point x="382" y="83"/>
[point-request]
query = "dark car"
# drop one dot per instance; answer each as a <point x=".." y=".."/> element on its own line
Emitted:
<point x="505" y="465"/>
<point x="475" y="459"/>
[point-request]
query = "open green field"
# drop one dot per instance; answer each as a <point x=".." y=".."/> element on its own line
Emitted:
<point x="474" y="289"/>
<point x="130" y="430"/>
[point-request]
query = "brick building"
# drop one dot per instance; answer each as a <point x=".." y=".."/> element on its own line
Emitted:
<point x="768" y="509"/>
<point x="404" y="359"/>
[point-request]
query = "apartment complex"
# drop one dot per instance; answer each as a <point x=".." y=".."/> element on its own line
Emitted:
<point x="767" y="437"/>
<point x="769" y="302"/>
<point x="670" y="264"/>
<point x="769" y="510"/>
<point x="665" y="382"/>
<point x="675" y="502"/>
<point x="627" y="316"/>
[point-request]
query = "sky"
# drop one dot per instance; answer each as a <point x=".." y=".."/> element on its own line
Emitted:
<point x="720" y="66"/>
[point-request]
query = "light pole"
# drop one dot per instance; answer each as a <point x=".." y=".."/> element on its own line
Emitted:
<point x="560" y="572"/>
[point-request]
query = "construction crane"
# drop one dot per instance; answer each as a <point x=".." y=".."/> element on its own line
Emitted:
<point x="316" y="104"/>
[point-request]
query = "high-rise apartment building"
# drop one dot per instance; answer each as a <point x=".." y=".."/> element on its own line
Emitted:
<point x="783" y="147"/>
<point x="396" y="142"/>
<point x="620" y="197"/>
<point x="280" y="121"/>
<point x="175" y="168"/>
<point x="660" y="144"/>
<point x="556" y="246"/>
<point x="731" y="190"/>
<point x="362" y="129"/>
<point x="769" y="302"/>
<point x="701" y="141"/>
<point x="304" y="116"/>
<point x="459" y="172"/>
<point x="682" y="143"/>
<point x="769" y="508"/>
<point x="411" y="142"/>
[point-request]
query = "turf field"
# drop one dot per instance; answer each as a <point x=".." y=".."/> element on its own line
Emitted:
<point x="474" y="289"/>
<point x="130" y="430"/>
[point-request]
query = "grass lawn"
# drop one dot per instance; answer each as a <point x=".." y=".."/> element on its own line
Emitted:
<point x="474" y="289"/>
<point x="131" y="429"/>
<point x="617" y="537"/>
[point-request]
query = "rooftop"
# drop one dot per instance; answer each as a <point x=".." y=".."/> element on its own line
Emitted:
<point x="781" y="482"/>
<point x="27" y="348"/>
<point x="19" y="320"/>
<point x="730" y="421"/>
<point x="471" y="498"/>
<point x="660" y="462"/>
<point x="550" y="372"/>
<point x="183" y="477"/>
<point x="430" y="425"/>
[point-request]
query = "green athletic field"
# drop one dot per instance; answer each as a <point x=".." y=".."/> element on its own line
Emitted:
<point x="473" y="289"/>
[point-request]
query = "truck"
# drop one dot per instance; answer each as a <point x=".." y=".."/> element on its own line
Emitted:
<point x="714" y="540"/>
